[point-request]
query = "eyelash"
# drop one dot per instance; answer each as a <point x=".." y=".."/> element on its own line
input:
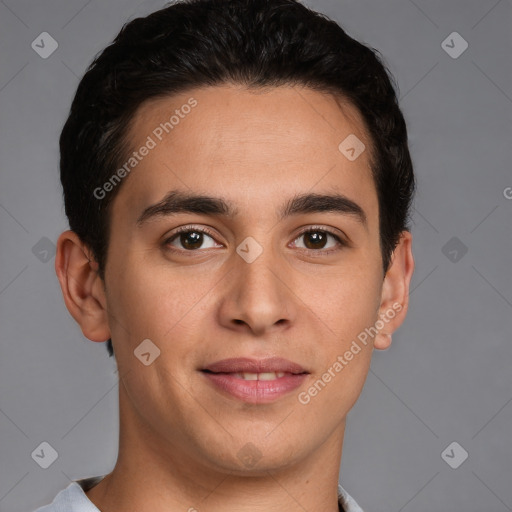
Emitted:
<point x="312" y="229"/>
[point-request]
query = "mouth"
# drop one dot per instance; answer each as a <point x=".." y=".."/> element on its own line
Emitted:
<point x="245" y="365"/>
<point x="253" y="376"/>
<point x="255" y="381"/>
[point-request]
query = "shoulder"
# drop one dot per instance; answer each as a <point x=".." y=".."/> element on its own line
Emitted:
<point x="73" y="498"/>
<point x="348" y="503"/>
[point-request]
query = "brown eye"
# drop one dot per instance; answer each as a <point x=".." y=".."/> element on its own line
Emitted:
<point x="317" y="239"/>
<point x="191" y="240"/>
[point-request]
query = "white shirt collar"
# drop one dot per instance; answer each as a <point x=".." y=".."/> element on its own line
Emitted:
<point x="74" y="499"/>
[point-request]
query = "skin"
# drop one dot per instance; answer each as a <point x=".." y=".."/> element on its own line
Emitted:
<point x="179" y="437"/>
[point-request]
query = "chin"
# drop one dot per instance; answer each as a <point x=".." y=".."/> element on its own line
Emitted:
<point x="256" y="457"/>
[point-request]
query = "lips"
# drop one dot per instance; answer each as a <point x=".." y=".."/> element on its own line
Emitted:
<point x="255" y="381"/>
<point x="258" y="366"/>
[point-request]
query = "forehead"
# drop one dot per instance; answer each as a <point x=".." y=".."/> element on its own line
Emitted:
<point x="248" y="145"/>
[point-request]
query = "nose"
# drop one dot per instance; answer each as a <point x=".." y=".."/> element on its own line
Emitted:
<point x="257" y="297"/>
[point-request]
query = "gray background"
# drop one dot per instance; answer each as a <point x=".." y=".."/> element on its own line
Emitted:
<point x="447" y="376"/>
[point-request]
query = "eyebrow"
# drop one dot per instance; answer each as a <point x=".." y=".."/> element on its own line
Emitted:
<point x="176" y="202"/>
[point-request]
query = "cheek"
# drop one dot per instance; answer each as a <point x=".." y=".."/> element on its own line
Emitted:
<point x="153" y="301"/>
<point x="347" y="309"/>
<point x="346" y="300"/>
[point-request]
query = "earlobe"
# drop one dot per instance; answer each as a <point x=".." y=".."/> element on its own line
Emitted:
<point x="395" y="292"/>
<point x="82" y="288"/>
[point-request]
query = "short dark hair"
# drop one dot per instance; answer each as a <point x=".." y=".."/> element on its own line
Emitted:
<point x="254" y="43"/>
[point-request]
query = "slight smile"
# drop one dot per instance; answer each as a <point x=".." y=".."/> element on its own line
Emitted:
<point x="255" y="381"/>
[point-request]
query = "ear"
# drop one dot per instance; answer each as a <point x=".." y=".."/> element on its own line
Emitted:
<point x="82" y="288"/>
<point x="395" y="292"/>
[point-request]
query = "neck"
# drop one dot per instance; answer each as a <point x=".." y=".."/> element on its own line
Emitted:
<point x="152" y="473"/>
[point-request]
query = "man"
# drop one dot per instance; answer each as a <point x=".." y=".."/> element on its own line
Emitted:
<point x="237" y="181"/>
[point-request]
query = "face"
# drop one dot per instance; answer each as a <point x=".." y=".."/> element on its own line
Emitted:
<point x="255" y="296"/>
